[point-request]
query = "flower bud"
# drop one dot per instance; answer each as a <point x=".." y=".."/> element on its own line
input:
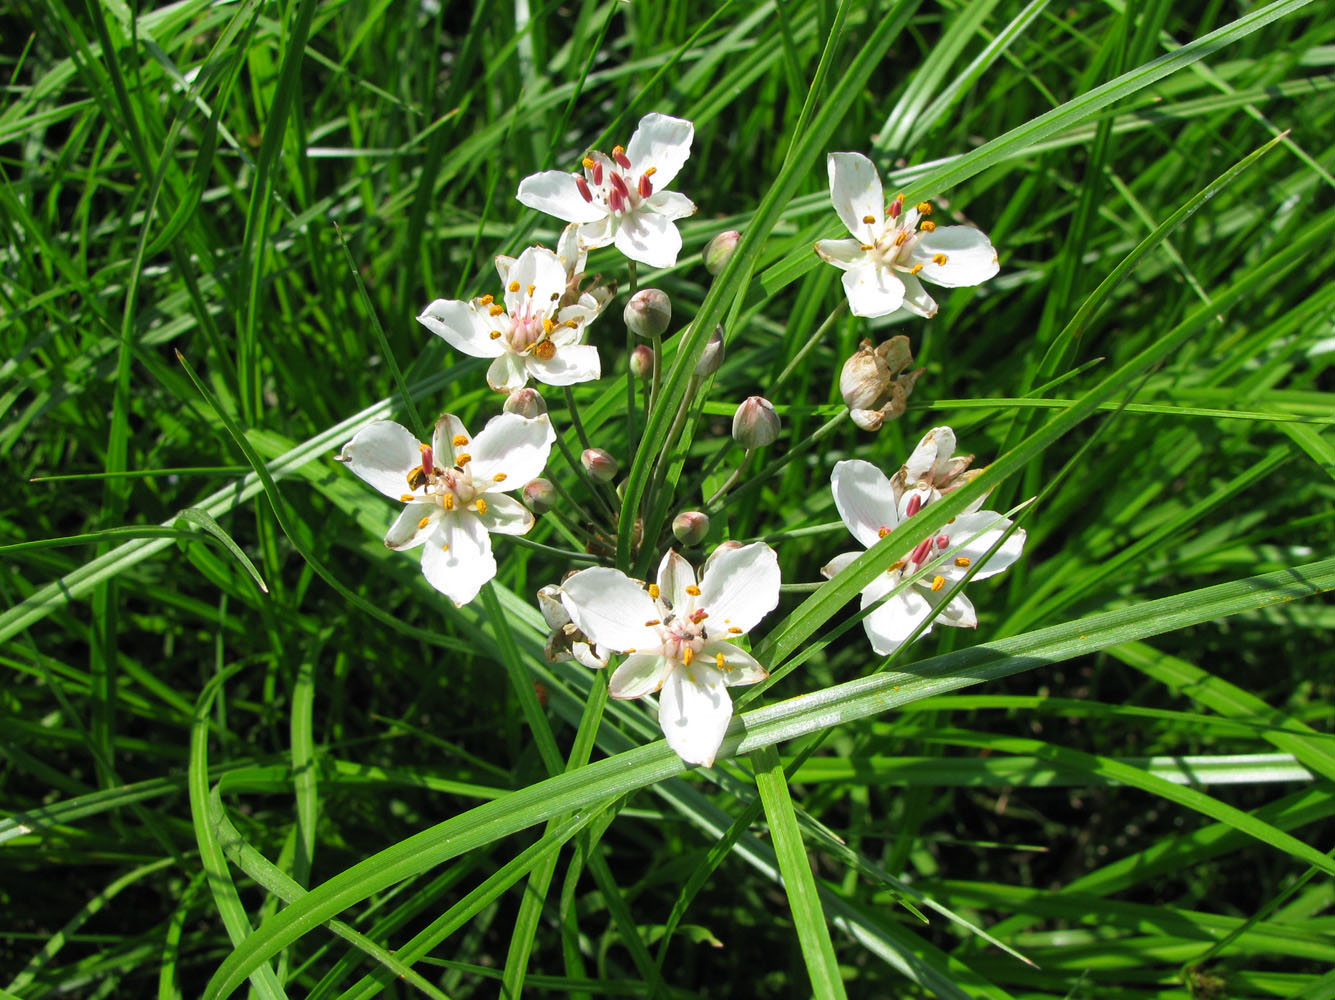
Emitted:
<point x="599" y="464"/>
<point x="526" y="402"/>
<point x="718" y="251"/>
<point x="755" y="424"/>
<point x="690" y="527"/>
<point x="648" y="313"/>
<point x="642" y="361"/>
<point x="712" y="359"/>
<point x="554" y="613"/>
<point x="539" y="495"/>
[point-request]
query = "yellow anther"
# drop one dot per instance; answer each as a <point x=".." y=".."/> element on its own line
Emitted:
<point x="897" y="564"/>
<point x="514" y="286"/>
<point x="631" y="650"/>
<point x="573" y="324"/>
<point x="720" y="661"/>
<point x="901" y="237"/>
<point x="530" y="288"/>
<point x="423" y="523"/>
<point x="962" y="561"/>
<point x="687" y="655"/>
<point x="463" y="458"/>
<point x="693" y="590"/>
<point x="495" y="309"/>
<point x="869" y="219"/>
<point x="445" y="547"/>
<point x="882" y="531"/>
<point x="498" y="478"/>
<point x="547" y="325"/>
<point x="735" y="630"/>
<point x="927" y="226"/>
<point x="481" y="506"/>
<point x="899" y="197"/>
<point x="618" y="150"/>
<point x="486" y="300"/>
<point x="924" y="208"/>
<point x="915" y="269"/>
<point x="939" y="259"/>
<point x="650" y="171"/>
<point x="495" y="335"/>
<point x="867" y="248"/>
<point x="652" y="622"/>
<point x="544" y="350"/>
<point x="654" y="591"/>
<point x="448" y="501"/>
<point x="588" y="163"/>
<point x="937" y="583"/>
<point x="405" y="497"/>
<point x="459" y="440"/>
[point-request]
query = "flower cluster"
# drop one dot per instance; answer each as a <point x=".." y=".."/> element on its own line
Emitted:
<point x="682" y="637"/>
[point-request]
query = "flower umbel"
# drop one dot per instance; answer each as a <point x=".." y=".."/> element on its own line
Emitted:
<point x="529" y="332"/>
<point x="893" y="247"/>
<point x="872" y="506"/>
<point x="620" y="199"/>
<point x="678" y="636"/>
<point x="453" y="490"/>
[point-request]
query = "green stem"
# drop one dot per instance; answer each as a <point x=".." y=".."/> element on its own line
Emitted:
<point x="732" y="480"/>
<point x="783" y="460"/>
<point x="809" y="346"/>
<point x="573" y="410"/>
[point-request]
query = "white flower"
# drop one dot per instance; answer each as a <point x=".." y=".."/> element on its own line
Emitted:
<point x="620" y="199"/>
<point x="453" y="490"/>
<point x="893" y="248"/>
<point x="872" y="506"/>
<point x="677" y="634"/>
<point x="532" y="333"/>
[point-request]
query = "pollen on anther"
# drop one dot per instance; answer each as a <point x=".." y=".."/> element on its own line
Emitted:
<point x="654" y="591"/>
<point x="867" y="247"/>
<point x="699" y="615"/>
<point x="405" y="497"/>
<point x="924" y="208"/>
<point x="882" y="531"/>
<point x="869" y="219"/>
<point x="588" y="163"/>
<point x="897" y="564"/>
<point x="927" y="226"/>
<point x="939" y="259"/>
<point x="734" y="630"/>
<point x="448" y="501"/>
<point x="487" y="299"/>
<point x="962" y="561"/>
<point x="653" y="621"/>
<point x="720" y="661"/>
<point x="459" y="440"/>
<point x="901" y="237"/>
<point x="423" y="523"/>
<point x="445" y="547"/>
<point x="498" y="478"/>
<point x="481" y="505"/>
<point x="650" y="171"/>
<point x="514" y="286"/>
<point x="937" y="583"/>
<point x="915" y="269"/>
<point x="530" y="289"/>
<point x="496" y="309"/>
<point x="495" y="335"/>
<point x="547" y="325"/>
<point x="544" y="350"/>
<point x="687" y="655"/>
<point x="693" y="590"/>
<point x="619" y="154"/>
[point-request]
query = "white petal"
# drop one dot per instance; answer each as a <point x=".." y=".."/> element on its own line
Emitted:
<point x="408" y="531"/>
<point x="838" y="564"/>
<point x="512" y="446"/>
<point x="463" y="327"/>
<point x="873" y="291"/>
<point x="843" y="254"/>
<point x="739" y="666"/>
<point x="383" y="453"/>
<point x="740" y="587"/>
<point x="648" y="238"/>
<point x="595" y="658"/>
<point x="675" y="574"/>
<point x="611" y="609"/>
<point x="457" y="560"/>
<point x="570" y="364"/>
<point x="916" y="299"/>
<point x="573" y="257"/>
<point x="971" y="535"/>
<point x="931" y="456"/>
<point x="958" y="613"/>
<point x="506" y="515"/>
<point x="865" y="500"/>
<point x="593" y="235"/>
<point x="555" y="192"/>
<point x="890" y="624"/>
<point x="694" y="710"/>
<point x="640" y="674"/>
<point x="542" y="270"/>
<point x="855" y="189"/>
<point x="507" y="373"/>
<point x="970" y="257"/>
<point x="503" y="265"/>
<point x="662" y="142"/>
<point x="448" y="427"/>
<point x="670" y="204"/>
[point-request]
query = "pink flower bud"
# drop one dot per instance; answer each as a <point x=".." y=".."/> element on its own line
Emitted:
<point x="648" y="313"/>
<point x="690" y="527"/>
<point x="642" y="361"/>
<point x="525" y="402"/>
<point x="712" y="360"/>
<point x="755" y="424"/>
<point x="539" y="495"/>
<point x="599" y="464"/>
<point x="718" y="251"/>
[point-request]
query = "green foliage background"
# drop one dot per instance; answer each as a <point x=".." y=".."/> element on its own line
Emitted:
<point x="343" y="786"/>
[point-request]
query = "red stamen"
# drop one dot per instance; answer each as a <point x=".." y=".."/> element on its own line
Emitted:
<point x="914" y="505"/>
<point x="646" y="186"/>
<point x="620" y="156"/>
<point x="597" y="172"/>
<point x="584" y="191"/>
<point x="895" y="208"/>
<point x="428" y="461"/>
<point x="614" y="200"/>
<point x="923" y="550"/>
<point x="942" y="541"/>
<point x="620" y="185"/>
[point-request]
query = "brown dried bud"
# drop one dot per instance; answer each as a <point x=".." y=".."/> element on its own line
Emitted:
<point x="875" y="384"/>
